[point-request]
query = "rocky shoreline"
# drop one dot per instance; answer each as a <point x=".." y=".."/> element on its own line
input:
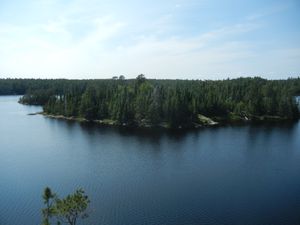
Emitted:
<point x="203" y="121"/>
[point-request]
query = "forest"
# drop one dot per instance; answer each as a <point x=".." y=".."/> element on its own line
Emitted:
<point x="168" y="103"/>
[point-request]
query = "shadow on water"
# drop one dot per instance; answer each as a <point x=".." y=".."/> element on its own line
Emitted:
<point x="151" y="136"/>
<point x="264" y="132"/>
<point x="256" y="133"/>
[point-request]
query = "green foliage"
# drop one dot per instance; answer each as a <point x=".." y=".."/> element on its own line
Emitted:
<point x="67" y="210"/>
<point x="47" y="212"/>
<point x="150" y="102"/>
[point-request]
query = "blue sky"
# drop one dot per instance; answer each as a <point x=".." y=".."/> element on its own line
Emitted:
<point x="177" y="39"/>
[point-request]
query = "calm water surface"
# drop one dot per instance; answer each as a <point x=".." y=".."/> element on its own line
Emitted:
<point x="228" y="175"/>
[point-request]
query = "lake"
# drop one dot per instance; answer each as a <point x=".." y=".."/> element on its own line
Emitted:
<point x="243" y="175"/>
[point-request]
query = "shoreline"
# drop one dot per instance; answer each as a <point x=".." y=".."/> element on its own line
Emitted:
<point x="109" y="122"/>
<point x="204" y="121"/>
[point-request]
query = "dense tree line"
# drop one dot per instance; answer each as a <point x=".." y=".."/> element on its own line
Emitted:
<point x="174" y="102"/>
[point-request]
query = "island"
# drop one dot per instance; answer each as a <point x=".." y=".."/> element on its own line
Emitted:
<point x="145" y="102"/>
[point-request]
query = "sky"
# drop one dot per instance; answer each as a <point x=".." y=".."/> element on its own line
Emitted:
<point x="163" y="39"/>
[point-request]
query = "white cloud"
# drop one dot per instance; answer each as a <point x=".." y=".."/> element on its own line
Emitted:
<point x="30" y="50"/>
<point x="172" y="57"/>
<point x="77" y="41"/>
<point x="56" y="26"/>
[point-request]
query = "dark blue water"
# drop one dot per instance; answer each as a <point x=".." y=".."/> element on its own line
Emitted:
<point x="226" y="175"/>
